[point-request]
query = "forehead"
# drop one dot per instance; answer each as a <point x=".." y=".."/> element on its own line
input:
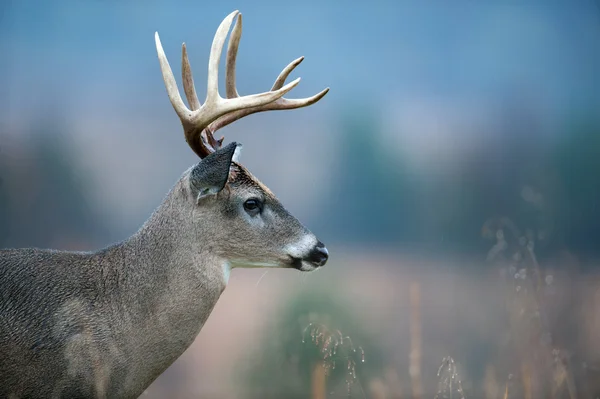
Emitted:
<point x="240" y="177"/>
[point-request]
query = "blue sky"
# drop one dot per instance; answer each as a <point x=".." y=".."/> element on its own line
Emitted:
<point x="372" y="49"/>
<point x="434" y="73"/>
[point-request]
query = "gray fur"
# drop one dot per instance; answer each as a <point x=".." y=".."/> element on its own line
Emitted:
<point x="210" y="176"/>
<point x="108" y="323"/>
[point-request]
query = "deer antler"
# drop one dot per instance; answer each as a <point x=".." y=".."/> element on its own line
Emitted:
<point x="201" y="121"/>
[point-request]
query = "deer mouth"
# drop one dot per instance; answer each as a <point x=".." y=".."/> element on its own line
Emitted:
<point x="313" y="259"/>
<point x="303" y="265"/>
<point x="296" y="263"/>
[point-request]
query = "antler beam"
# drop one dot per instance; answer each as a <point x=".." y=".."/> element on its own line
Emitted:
<point x="200" y="121"/>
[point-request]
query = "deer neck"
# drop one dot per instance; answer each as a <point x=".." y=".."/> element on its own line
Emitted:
<point x="166" y="288"/>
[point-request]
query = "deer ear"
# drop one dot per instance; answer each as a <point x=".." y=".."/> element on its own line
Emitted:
<point x="210" y="175"/>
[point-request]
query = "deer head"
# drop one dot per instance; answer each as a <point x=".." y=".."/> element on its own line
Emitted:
<point x="247" y="225"/>
<point x="108" y="323"/>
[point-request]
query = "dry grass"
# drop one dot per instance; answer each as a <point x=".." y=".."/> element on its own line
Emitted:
<point x="535" y="358"/>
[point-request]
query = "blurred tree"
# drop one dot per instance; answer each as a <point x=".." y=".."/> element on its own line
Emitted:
<point x="576" y="192"/>
<point x="491" y="180"/>
<point x="550" y="191"/>
<point x="553" y="193"/>
<point x="42" y="200"/>
<point x="373" y="200"/>
<point x="4" y="209"/>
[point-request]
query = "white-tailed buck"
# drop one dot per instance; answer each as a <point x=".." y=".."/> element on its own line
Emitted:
<point x="108" y="323"/>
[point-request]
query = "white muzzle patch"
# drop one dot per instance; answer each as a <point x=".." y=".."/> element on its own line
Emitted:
<point x="302" y="248"/>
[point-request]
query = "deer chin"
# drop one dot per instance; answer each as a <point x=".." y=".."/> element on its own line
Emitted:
<point x="300" y="264"/>
<point x="248" y="264"/>
<point x="303" y="265"/>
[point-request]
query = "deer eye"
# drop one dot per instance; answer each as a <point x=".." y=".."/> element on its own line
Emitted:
<point x="253" y="206"/>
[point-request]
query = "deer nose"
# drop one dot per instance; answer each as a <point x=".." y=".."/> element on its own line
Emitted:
<point x="319" y="254"/>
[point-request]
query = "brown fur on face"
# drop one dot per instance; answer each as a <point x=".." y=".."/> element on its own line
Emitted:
<point x="240" y="176"/>
<point x="250" y="241"/>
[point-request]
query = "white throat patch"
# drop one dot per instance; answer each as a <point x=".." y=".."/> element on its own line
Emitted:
<point x="226" y="271"/>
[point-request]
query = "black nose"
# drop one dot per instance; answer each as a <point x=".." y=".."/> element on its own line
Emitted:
<point x="319" y="254"/>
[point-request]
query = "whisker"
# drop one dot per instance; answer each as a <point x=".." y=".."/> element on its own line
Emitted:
<point x="261" y="277"/>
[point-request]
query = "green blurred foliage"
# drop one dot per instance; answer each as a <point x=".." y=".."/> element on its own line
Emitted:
<point x="4" y="209"/>
<point x="43" y="194"/>
<point x="295" y="342"/>
<point x="577" y="194"/>
<point x="374" y="195"/>
<point x="549" y="186"/>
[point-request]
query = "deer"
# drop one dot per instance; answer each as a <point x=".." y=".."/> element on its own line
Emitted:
<point x="107" y="323"/>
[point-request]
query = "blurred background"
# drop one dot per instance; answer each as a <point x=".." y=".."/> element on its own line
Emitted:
<point x="453" y="171"/>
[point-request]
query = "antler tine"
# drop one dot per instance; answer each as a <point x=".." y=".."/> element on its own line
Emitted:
<point x="212" y="87"/>
<point x="286" y="72"/>
<point x="200" y="122"/>
<point x="172" y="91"/>
<point x="215" y="106"/>
<point x="279" y="104"/>
<point x="232" y="49"/>
<point x="188" y="80"/>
